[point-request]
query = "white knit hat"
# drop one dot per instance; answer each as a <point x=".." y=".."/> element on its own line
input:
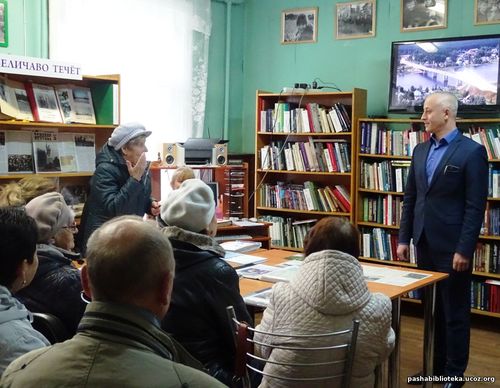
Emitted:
<point x="190" y="207"/>
<point x="126" y="132"/>
<point x="50" y="213"/>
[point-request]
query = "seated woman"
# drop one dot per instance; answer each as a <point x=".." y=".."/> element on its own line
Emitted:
<point x="204" y="283"/>
<point x="18" y="264"/>
<point x="24" y="190"/>
<point x="180" y="175"/>
<point x="56" y="287"/>
<point x="327" y="293"/>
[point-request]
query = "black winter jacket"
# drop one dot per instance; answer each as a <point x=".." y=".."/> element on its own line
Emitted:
<point x="56" y="287"/>
<point x="204" y="286"/>
<point x="113" y="192"/>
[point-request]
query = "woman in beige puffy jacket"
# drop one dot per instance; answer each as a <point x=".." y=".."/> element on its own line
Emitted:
<point x="327" y="293"/>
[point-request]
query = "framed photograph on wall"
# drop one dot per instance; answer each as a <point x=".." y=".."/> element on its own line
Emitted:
<point x="355" y="19"/>
<point x="419" y="15"/>
<point x="4" y="24"/>
<point x="486" y="11"/>
<point x="299" y="25"/>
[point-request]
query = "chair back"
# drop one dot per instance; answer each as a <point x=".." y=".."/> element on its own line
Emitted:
<point x="336" y="350"/>
<point x="50" y="326"/>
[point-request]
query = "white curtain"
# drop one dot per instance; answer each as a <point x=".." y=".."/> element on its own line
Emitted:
<point x="160" y="49"/>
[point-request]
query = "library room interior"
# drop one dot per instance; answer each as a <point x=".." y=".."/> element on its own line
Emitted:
<point x="250" y="193"/>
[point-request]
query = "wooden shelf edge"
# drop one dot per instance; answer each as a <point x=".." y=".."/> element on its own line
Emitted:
<point x="48" y="175"/>
<point x="312" y="134"/>
<point x="303" y="211"/>
<point x="389" y="262"/>
<point x="396" y="157"/>
<point x="363" y="190"/>
<point x="375" y="225"/>
<point x="303" y="172"/>
<point x="472" y="310"/>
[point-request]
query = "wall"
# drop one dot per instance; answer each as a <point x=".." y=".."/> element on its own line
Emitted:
<point x="269" y="65"/>
<point x="27" y="23"/>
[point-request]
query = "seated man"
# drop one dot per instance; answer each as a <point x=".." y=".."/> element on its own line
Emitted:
<point x="328" y="291"/>
<point x="129" y="275"/>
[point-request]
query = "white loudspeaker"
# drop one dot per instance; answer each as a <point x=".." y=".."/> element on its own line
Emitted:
<point x="173" y="154"/>
<point x="219" y="155"/>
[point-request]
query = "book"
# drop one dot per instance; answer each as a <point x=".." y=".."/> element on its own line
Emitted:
<point x="43" y="102"/>
<point x="14" y="100"/>
<point x="83" y="106"/>
<point x="255" y="271"/>
<point x="16" y="152"/>
<point x="241" y="246"/>
<point x="284" y="274"/>
<point x="259" y="298"/>
<point x="240" y="259"/>
<point x="64" y="96"/>
<point x="222" y="222"/>
<point x="46" y="152"/>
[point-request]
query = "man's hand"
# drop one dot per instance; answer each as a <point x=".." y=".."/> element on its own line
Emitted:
<point x="155" y="208"/>
<point x="137" y="171"/>
<point x="402" y="252"/>
<point x="460" y="262"/>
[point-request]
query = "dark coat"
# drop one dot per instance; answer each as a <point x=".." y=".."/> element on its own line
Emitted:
<point x="204" y="286"/>
<point x="451" y="209"/>
<point x="56" y="287"/>
<point x="113" y="192"/>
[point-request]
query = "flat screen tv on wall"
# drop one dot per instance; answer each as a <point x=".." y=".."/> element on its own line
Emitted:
<point x="467" y="67"/>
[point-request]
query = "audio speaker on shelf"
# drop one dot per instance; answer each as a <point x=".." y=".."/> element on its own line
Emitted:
<point x="219" y="155"/>
<point x="173" y="154"/>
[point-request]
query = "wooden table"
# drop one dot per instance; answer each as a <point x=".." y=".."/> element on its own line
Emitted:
<point x="276" y="256"/>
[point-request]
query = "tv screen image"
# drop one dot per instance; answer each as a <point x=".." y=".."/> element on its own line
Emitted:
<point x="467" y="67"/>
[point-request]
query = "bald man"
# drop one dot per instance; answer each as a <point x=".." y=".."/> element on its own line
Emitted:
<point x="129" y="276"/>
<point x="443" y="208"/>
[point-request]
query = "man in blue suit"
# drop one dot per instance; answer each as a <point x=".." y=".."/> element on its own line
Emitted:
<point x="443" y="209"/>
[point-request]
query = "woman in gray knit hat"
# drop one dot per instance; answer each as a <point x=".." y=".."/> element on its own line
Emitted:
<point x="121" y="183"/>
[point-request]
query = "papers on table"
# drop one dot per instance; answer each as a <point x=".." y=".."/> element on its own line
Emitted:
<point x="241" y="246"/>
<point x="284" y="272"/>
<point x="390" y="276"/>
<point x="259" y="298"/>
<point x="240" y="259"/>
<point x="246" y="223"/>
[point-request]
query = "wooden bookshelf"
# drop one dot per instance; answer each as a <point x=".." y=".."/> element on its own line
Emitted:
<point x="105" y="95"/>
<point x="366" y="160"/>
<point x="280" y="127"/>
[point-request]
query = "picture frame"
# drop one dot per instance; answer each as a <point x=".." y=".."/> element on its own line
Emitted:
<point x="417" y="15"/>
<point x="486" y="12"/>
<point x="299" y="25"/>
<point x="4" y="24"/>
<point x="355" y="19"/>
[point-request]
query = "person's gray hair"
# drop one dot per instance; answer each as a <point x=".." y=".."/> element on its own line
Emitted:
<point x="135" y="141"/>
<point x="127" y="258"/>
<point x="447" y="100"/>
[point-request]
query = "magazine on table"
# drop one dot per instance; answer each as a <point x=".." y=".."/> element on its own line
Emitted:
<point x="241" y="246"/>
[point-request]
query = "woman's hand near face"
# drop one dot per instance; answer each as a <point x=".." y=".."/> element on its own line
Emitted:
<point x="137" y="171"/>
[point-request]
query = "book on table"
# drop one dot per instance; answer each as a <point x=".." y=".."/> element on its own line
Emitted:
<point x="241" y="246"/>
<point x="240" y="259"/>
<point x="283" y="272"/>
<point x="259" y="298"/>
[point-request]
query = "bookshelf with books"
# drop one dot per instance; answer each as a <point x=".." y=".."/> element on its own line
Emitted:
<point x="34" y="137"/>
<point x="383" y="157"/>
<point x="304" y="165"/>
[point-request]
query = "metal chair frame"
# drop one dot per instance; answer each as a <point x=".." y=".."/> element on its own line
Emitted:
<point x="243" y="332"/>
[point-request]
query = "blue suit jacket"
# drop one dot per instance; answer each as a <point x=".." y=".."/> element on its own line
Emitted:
<point x="450" y="210"/>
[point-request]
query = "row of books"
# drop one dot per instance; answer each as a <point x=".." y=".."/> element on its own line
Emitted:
<point x="382" y="209"/>
<point x="36" y="102"/>
<point x="385" y="141"/>
<point x="485" y="295"/>
<point x="287" y="232"/>
<point x="290" y="118"/>
<point x="493" y="181"/>
<point x="487" y="258"/>
<point x="488" y="137"/>
<point x="382" y="244"/>
<point x="491" y="223"/>
<point x="305" y="196"/>
<point x="388" y="175"/>
<point x="313" y="155"/>
<point x="46" y="152"/>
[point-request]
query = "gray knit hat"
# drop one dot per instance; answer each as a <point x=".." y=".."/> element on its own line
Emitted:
<point x="190" y="207"/>
<point x="126" y="132"/>
<point x="50" y="213"/>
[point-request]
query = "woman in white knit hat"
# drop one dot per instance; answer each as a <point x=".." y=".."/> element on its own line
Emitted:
<point x="56" y="286"/>
<point x="121" y="183"/>
<point x="204" y="283"/>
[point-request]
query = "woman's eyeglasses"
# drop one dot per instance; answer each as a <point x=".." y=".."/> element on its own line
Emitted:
<point x="72" y="228"/>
